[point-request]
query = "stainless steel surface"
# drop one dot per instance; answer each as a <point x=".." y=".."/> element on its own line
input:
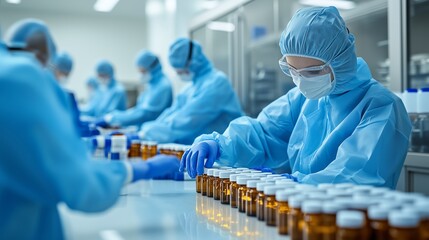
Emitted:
<point x="415" y="174"/>
<point x="160" y="209"/>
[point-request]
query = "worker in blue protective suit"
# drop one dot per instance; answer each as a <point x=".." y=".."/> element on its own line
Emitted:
<point x="337" y="125"/>
<point x="62" y="67"/>
<point x="42" y="159"/>
<point x="208" y="104"/>
<point x="32" y="36"/>
<point x="112" y="94"/>
<point x="156" y="97"/>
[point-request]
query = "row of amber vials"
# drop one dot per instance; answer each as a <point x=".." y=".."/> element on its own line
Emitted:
<point x="312" y="213"/>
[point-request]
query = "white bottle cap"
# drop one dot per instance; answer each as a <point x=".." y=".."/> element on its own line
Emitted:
<point x="271" y="190"/>
<point x="296" y="201"/>
<point x="389" y="205"/>
<point x="403" y="219"/>
<point x="284" y="181"/>
<point x="319" y="196"/>
<point x="312" y="207"/>
<point x="376" y="213"/>
<point x="205" y="170"/>
<point x="210" y="172"/>
<point x="344" y="185"/>
<point x="337" y="192"/>
<point x="287" y="185"/>
<point x="216" y="172"/>
<point x="305" y="187"/>
<point x="242" y="180"/>
<point x="350" y="219"/>
<point x="325" y="186"/>
<point x="233" y="177"/>
<point x="274" y="175"/>
<point x="360" y="189"/>
<point x="284" y="195"/>
<point x="421" y="210"/>
<point x="225" y="174"/>
<point x="360" y="204"/>
<point x="252" y="183"/>
<point x="332" y="207"/>
<point x="343" y="201"/>
<point x="260" y="186"/>
<point x="379" y="191"/>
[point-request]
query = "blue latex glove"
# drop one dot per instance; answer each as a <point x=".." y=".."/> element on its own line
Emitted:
<point x="158" y="166"/>
<point x="289" y="176"/>
<point x="101" y="123"/>
<point x="193" y="158"/>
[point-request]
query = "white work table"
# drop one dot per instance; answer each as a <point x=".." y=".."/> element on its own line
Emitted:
<point x="164" y="209"/>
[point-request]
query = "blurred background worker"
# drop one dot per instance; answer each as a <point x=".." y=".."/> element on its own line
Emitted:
<point x="208" y="103"/>
<point x="33" y="182"/>
<point x="111" y="93"/>
<point x="62" y="67"/>
<point x="337" y="125"/>
<point x="155" y="98"/>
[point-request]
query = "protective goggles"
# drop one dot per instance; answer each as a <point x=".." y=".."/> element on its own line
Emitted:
<point x="305" y="72"/>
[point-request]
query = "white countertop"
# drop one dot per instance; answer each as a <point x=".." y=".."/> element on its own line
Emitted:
<point x="164" y="209"/>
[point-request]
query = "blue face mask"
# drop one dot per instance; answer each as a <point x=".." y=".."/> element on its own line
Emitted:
<point x="186" y="77"/>
<point x="145" y="78"/>
<point x="313" y="87"/>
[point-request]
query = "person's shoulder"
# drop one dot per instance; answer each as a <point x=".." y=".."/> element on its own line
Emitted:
<point x="377" y="92"/>
<point x="21" y="70"/>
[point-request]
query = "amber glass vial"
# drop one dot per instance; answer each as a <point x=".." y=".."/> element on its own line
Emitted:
<point x="224" y="187"/>
<point x="251" y="195"/>
<point x="350" y="225"/>
<point x="204" y="183"/>
<point x="233" y="190"/>
<point x="216" y="185"/>
<point x="210" y="179"/>
<point x="313" y="219"/>
<point x="378" y="223"/>
<point x="260" y="200"/>
<point x="329" y="222"/>
<point x="270" y="210"/>
<point x="403" y="225"/>
<point x="241" y="193"/>
<point x="295" y="217"/>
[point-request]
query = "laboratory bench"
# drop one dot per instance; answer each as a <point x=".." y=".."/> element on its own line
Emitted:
<point x="165" y="209"/>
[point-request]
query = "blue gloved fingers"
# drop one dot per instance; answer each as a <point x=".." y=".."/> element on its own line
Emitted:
<point x="211" y="158"/>
<point x="191" y="164"/>
<point x="184" y="159"/>
<point x="200" y="162"/>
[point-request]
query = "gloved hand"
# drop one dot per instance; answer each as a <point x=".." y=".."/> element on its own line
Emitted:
<point x="101" y="123"/>
<point x="158" y="166"/>
<point x="193" y="158"/>
<point x="289" y="176"/>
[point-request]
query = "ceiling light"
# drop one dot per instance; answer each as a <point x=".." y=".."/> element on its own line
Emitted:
<point x="14" y="1"/>
<point x="221" y="26"/>
<point x="105" y="5"/>
<point x="153" y="8"/>
<point x="170" y="6"/>
<point x="340" y="4"/>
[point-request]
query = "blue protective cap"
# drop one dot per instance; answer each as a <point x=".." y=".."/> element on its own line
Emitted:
<point x="425" y="89"/>
<point x="18" y="34"/>
<point x="412" y="90"/>
<point x="147" y="60"/>
<point x="63" y="63"/>
<point x="105" y="67"/>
